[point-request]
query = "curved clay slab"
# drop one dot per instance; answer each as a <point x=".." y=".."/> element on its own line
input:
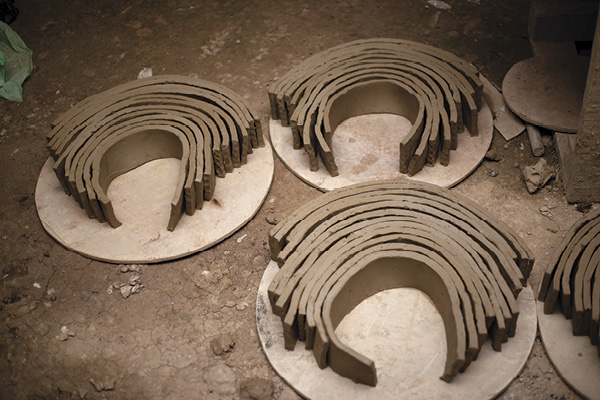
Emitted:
<point x="220" y="128"/>
<point x="300" y="82"/>
<point x="487" y="263"/>
<point x="572" y="278"/>
<point x="386" y="270"/>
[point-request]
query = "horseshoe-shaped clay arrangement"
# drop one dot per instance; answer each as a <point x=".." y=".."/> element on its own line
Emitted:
<point x="437" y="91"/>
<point x="353" y="242"/>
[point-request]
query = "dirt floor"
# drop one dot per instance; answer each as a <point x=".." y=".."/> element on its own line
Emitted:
<point x="156" y="344"/>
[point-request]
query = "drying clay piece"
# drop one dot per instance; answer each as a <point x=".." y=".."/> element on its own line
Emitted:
<point x="547" y="91"/>
<point x="317" y="95"/>
<point x="572" y="279"/>
<point x="207" y="126"/>
<point x="359" y="240"/>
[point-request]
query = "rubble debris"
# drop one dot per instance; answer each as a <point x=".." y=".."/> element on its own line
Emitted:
<point x="546" y="212"/>
<point x="133" y="286"/>
<point x="130" y="268"/>
<point x="222" y="344"/>
<point x="536" y="176"/>
<point x="100" y="386"/>
<point x="50" y="295"/>
<point x="492" y="155"/>
<point x="65" y="333"/>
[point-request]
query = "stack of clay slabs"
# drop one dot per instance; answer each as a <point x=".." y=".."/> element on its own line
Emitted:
<point x="353" y="242"/>
<point x="572" y="278"/>
<point x="207" y="126"/>
<point x="438" y="92"/>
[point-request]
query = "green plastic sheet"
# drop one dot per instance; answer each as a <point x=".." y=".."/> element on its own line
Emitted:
<point x="15" y="64"/>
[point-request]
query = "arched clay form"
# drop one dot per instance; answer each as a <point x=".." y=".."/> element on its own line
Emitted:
<point x="215" y="126"/>
<point x="451" y="86"/>
<point x="322" y="245"/>
<point x="572" y="281"/>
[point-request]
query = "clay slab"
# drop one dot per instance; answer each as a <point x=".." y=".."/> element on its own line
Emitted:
<point x="547" y="91"/>
<point x="362" y="155"/>
<point x="143" y="237"/>
<point x="405" y="369"/>
<point x="574" y="357"/>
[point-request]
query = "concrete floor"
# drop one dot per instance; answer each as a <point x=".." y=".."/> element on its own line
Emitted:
<point x="156" y="344"/>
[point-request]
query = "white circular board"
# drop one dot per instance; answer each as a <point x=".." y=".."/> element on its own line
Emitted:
<point x="367" y="148"/>
<point x="401" y="330"/>
<point x="575" y="358"/>
<point x="142" y="202"/>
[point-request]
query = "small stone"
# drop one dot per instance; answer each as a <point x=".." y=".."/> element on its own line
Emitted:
<point x="516" y="164"/>
<point x="133" y="280"/>
<point x="242" y="306"/>
<point x="99" y="386"/>
<point x="109" y="290"/>
<point x="33" y="306"/>
<point x="125" y="291"/>
<point x="256" y="389"/>
<point x="506" y="146"/>
<point x="492" y="155"/>
<point x="552" y="229"/>
<point x="546" y="212"/>
<point x="222" y="344"/>
<point x="230" y="304"/>
<point x="130" y="268"/>
<point x="37" y="285"/>
<point x="50" y="295"/>
<point x="89" y="73"/>
<point x="536" y="375"/>
<point x="271" y="219"/>
<point x="109" y="385"/>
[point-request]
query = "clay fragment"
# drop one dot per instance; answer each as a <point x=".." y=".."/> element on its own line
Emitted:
<point x="211" y="129"/>
<point x="355" y="241"/>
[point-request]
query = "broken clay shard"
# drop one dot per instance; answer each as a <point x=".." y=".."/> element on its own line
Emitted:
<point x="437" y="91"/>
<point x="208" y="127"/>
<point x="358" y="240"/>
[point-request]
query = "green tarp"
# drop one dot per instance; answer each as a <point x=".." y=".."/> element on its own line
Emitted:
<point x="15" y="63"/>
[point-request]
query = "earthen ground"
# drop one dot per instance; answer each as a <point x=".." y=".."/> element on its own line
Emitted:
<point x="156" y="343"/>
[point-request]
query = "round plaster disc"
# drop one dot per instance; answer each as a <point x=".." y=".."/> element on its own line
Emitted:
<point x="401" y="330"/>
<point x="367" y="148"/>
<point x="142" y="202"/>
<point x="547" y="91"/>
<point x="574" y="357"/>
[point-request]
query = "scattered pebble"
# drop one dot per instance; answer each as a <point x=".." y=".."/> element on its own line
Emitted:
<point x="130" y="268"/>
<point x="230" y="304"/>
<point x="222" y="344"/>
<point x="546" y="212"/>
<point x="516" y="164"/>
<point x="492" y="155"/>
<point x="65" y="333"/>
<point x="50" y="295"/>
<point x="100" y="386"/>
<point x="242" y="306"/>
<point x="37" y="285"/>
<point x="271" y="219"/>
<point x="506" y="146"/>
<point x="145" y="73"/>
